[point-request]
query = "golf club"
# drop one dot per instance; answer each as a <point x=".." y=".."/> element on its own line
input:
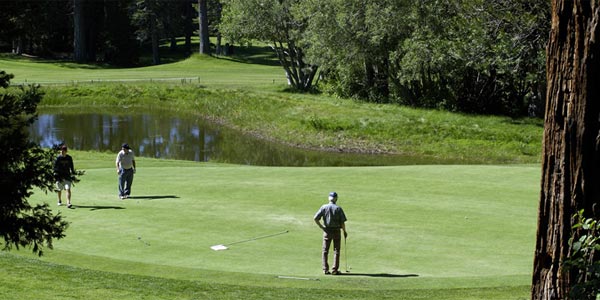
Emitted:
<point x="225" y="246"/>
<point x="140" y="239"/>
<point x="346" y="254"/>
<point x="297" y="278"/>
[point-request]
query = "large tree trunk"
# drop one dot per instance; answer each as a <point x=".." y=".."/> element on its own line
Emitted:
<point x="203" y="24"/>
<point x="571" y="151"/>
<point x="86" y="16"/>
<point x="188" y="26"/>
<point x="155" y="40"/>
<point x="80" y="29"/>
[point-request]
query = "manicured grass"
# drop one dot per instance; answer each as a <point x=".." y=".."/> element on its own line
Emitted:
<point x="204" y="70"/>
<point x="415" y="232"/>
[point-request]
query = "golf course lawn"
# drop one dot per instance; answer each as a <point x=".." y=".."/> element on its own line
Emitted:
<point x="215" y="72"/>
<point x="415" y="232"/>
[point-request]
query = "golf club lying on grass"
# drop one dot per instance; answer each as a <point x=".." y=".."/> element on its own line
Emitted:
<point x="225" y="247"/>
<point x="297" y="278"/>
<point x="145" y="243"/>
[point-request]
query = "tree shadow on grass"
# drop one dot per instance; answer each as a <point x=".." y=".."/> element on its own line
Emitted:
<point x="153" y="197"/>
<point x="381" y="275"/>
<point x="96" y="207"/>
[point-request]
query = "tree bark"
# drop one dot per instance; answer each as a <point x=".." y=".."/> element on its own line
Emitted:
<point x="571" y="145"/>
<point x="188" y="26"/>
<point x="203" y="26"/>
<point x="86" y="16"/>
<point x="155" y="40"/>
<point x="79" y="31"/>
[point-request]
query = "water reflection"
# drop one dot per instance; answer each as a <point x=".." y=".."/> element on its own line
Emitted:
<point x="160" y="135"/>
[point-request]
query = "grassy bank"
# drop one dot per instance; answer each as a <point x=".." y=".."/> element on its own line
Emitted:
<point x="327" y="123"/>
<point x="415" y="232"/>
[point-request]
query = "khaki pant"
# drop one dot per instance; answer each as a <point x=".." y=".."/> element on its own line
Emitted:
<point x="330" y="235"/>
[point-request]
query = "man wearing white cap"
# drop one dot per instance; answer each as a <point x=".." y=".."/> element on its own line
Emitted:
<point x="334" y="219"/>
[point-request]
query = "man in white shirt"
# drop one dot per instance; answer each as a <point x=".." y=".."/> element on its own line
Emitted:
<point x="125" y="169"/>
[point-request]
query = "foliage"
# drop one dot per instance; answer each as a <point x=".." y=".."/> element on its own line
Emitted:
<point x="483" y="57"/>
<point x="272" y="22"/>
<point x="469" y="56"/>
<point x="583" y="259"/>
<point x="24" y="166"/>
<point x="35" y="26"/>
<point x="118" y="45"/>
<point x="351" y="42"/>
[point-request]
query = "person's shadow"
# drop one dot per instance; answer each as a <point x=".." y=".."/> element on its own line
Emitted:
<point x="381" y="275"/>
<point x="152" y="197"/>
<point x="102" y="207"/>
<point x="96" y="207"/>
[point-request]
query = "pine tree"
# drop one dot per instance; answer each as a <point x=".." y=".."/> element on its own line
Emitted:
<point x="24" y="166"/>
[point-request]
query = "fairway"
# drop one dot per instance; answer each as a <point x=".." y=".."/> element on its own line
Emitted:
<point x="410" y="227"/>
<point x="216" y="72"/>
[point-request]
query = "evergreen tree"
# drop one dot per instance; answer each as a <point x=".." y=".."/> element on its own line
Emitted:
<point x="23" y="167"/>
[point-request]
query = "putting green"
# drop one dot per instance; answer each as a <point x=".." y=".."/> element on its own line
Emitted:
<point x="432" y="226"/>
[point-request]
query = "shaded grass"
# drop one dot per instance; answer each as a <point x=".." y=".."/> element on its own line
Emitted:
<point x="31" y="277"/>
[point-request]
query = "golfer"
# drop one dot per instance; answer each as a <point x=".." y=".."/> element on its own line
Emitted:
<point x="334" y="219"/>
<point x="63" y="173"/>
<point x="125" y="169"/>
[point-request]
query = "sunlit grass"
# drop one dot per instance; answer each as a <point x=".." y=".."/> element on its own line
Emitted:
<point x="198" y="69"/>
<point x="415" y="232"/>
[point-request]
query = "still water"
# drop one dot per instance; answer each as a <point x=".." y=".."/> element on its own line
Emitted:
<point x="160" y="135"/>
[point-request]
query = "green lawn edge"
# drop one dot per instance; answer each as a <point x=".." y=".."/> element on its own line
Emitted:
<point x="34" y="279"/>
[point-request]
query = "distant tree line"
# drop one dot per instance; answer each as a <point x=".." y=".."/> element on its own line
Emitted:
<point x="109" y="31"/>
<point x="473" y="56"/>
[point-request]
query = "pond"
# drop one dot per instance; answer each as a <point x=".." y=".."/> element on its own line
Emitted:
<point x="160" y="135"/>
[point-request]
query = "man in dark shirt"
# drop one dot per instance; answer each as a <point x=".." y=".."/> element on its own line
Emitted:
<point x="334" y="219"/>
<point x="63" y="173"/>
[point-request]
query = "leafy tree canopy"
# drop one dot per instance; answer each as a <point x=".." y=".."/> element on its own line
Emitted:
<point x="273" y="22"/>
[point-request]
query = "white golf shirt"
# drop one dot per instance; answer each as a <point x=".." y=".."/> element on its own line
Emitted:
<point x="125" y="159"/>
